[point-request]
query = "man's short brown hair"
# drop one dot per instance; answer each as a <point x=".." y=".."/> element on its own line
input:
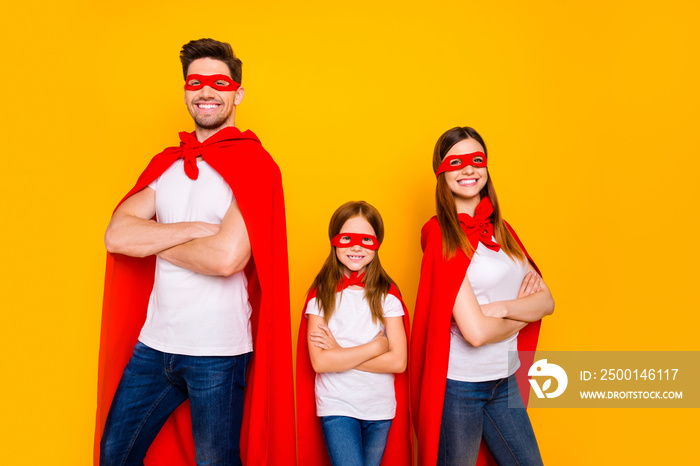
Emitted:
<point x="210" y="48"/>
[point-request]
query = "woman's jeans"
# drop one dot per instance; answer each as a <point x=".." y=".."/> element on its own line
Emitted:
<point x="355" y="442"/>
<point x="476" y="409"/>
<point x="155" y="383"/>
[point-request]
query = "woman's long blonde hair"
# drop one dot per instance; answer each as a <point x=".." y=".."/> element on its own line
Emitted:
<point x="377" y="281"/>
<point x="453" y="237"/>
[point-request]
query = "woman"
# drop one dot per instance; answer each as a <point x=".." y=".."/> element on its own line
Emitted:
<point x="352" y="394"/>
<point x="477" y="293"/>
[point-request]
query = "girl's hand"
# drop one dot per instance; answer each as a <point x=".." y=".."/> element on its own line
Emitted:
<point x="532" y="283"/>
<point x="382" y="340"/>
<point x="324" y="339"/>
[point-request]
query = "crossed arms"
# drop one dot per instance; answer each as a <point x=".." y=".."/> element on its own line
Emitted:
<point x="201" y="247"/>
<point x="493" y="322"/>
<point x="386" y="353"/>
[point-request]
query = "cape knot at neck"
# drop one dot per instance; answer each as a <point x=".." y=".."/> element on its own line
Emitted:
<point x="190" y="152"/>
<point x="352" y="280"/>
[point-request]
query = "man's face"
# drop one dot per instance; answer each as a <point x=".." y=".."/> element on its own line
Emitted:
<point x="210" y="108"/>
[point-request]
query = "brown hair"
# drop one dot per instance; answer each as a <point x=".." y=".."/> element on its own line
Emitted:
<point x="453" y="236"/>
<point x="377" y="281"/>
<point x="210" y="48"/>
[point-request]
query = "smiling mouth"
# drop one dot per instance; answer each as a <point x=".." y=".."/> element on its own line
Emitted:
<point x="207" y="105"/>
<point x="466" y="182"/>
<point x="356" y="258"/>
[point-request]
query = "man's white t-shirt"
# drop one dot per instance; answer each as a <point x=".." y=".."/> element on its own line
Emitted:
<point x="188" y="312"/>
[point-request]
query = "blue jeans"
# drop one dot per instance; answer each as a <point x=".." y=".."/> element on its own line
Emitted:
<point x="476" y="409"/>
<point x="154" y="384"/>
<point x="355" y="442"/>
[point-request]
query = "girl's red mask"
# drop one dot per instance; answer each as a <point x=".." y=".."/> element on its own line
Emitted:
<point x="220" y="82"/>
<point x="457" y="162"/>
<point x="346" y="240"/>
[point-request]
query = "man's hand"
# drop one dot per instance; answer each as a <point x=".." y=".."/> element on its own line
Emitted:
<point x="133" y="232"/>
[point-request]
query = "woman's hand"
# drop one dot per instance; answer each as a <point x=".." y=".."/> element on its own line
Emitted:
<point x="532" y="283"/>
<point x="324" y="339"/>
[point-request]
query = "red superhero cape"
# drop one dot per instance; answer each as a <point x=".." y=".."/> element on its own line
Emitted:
<point x="312" y="447"/>
<point x="440" y="281"/>
<point x="267" y="436"/>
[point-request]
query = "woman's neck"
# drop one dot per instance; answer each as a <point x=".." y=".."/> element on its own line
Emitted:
<point x="467" y="206"/>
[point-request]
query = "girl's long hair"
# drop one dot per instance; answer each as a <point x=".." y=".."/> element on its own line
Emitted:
<point x="377" y="281"/>
<point x="453" y="236"/>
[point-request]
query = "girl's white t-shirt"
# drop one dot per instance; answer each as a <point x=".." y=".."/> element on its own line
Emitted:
<point x="355" y="393"/>
<point x="188" y="312"/>
<point x="494" y="277"/>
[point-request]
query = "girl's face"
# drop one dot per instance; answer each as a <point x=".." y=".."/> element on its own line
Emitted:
<point x="355" y="258"/>
<point x="467" y="183"/>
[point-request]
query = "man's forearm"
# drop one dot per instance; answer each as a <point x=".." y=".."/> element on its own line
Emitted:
<point x="209" y="256"/>
<point x="138" y="237"/>
<point x="224" y="253"/>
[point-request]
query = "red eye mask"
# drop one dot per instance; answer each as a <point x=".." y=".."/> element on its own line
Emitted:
<point x="457" y="162"/>
<point x="346" y="240"/>
<point x="211" y="81"/>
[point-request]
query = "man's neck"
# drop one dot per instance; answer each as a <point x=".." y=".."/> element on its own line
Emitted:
<point x="203" y="133"/>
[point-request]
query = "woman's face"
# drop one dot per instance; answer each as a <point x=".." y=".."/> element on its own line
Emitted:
<point x="355" y="258"/>
<point x="466" y="183"/>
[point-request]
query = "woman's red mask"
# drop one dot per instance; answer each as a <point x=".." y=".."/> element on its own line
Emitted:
<point x="220" y="82"/>
<point x="457" y="162"/>
<point x="346" y="240"/>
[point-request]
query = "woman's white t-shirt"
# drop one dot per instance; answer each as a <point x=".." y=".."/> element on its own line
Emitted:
<point x="354" y="393"/>
<point x="494" y="277"/>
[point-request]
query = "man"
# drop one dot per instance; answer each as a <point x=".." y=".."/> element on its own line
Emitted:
<point x="216" y="295"/>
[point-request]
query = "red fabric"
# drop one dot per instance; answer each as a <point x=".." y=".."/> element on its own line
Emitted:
<point x="476" y="159"/>
<point x="479" y="228"/>
<point x="210" y="80"/>
<point x="440" y="282"/>
<point x="312" y="447"/>
<point x="355" y="239"/>
<point x="268" y="419"/>
<point x="352" y="280"/>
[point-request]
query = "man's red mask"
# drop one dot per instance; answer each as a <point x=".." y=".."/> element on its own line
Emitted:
<point x="457" y="162"/>
<point x="346" y="240"/>
<point x="220" y="82"/>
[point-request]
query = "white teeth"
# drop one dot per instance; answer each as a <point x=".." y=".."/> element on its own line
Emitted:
<point x="207" y="106"/>
<point x="466" y="182"/>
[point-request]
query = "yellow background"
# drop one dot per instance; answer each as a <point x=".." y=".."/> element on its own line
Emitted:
<point x="589" y="110"/>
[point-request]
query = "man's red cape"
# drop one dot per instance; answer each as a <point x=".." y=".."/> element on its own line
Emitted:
<point x="440" y="281"/>
<point x="312" y="447"/>
<point x="267" y="437"/>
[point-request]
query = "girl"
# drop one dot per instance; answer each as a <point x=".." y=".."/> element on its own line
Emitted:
<point x="351" y="343"/>
<point x="478" y="291"/>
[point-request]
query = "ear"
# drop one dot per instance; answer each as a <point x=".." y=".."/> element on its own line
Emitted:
<point x="240" y="93"/>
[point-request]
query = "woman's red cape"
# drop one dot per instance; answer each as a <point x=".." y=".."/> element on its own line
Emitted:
<point x="267" y="437"/>
<point x="312" y="447"/>
<point x="440" y="281"/>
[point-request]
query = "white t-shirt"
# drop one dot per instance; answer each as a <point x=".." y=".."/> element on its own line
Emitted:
<point x="494" y="277"/>
<point x="191" y="313"/>
<point x="355" y="393"/>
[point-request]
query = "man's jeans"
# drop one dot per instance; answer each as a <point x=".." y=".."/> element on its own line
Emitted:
<point x="475" y="408"/>
<point x="355" y="442"/>
<point x="155" y="383"/>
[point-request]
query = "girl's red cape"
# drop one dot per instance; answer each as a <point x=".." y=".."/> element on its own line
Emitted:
<point x="312" y="447"/>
